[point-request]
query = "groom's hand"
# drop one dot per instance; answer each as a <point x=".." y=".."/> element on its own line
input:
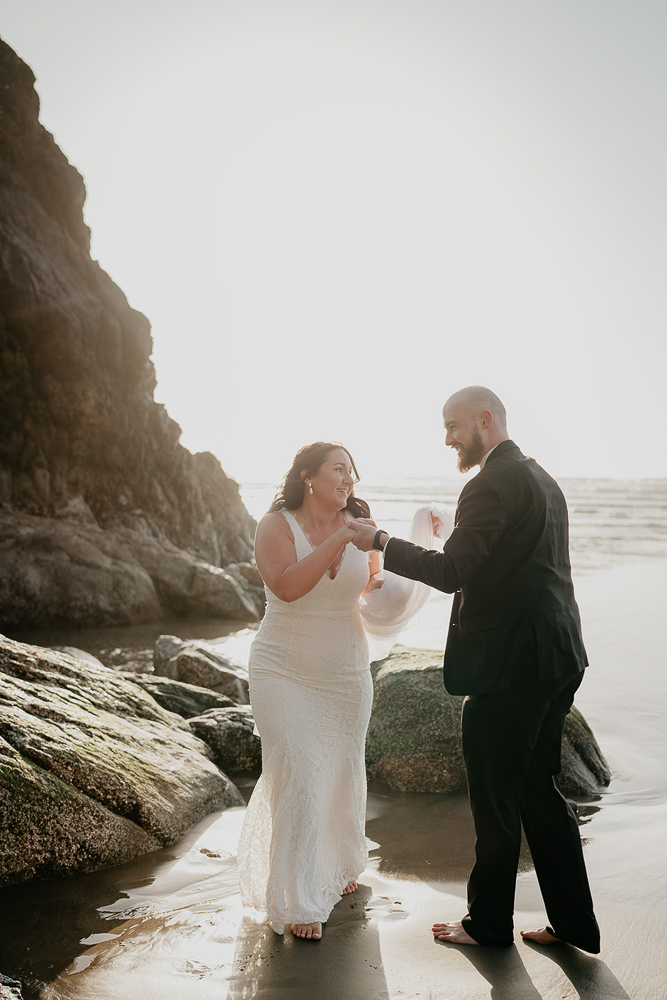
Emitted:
<point x="364" y="530"/>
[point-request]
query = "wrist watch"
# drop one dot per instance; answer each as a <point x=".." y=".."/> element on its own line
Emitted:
<point x="376" y="540"/>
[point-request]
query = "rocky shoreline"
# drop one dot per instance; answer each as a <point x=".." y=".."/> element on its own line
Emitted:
<point x="98" y="765"/>
<point x="92" y="770"/>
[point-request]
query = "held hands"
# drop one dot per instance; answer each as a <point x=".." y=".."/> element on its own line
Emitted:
<point x="347" y="533"/>
<point x="364" y="533"/>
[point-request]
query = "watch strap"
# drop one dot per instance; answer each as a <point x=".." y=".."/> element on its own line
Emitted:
<point x="376" y="540"/>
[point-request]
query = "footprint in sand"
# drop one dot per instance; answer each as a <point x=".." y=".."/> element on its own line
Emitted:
<point x="386" y="908"/>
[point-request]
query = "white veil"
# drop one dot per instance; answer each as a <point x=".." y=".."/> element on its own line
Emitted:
<point x="386" y="612"/>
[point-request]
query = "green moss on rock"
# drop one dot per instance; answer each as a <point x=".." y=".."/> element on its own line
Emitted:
<point x="92" y="770"/>
<point x="414" y="736"/>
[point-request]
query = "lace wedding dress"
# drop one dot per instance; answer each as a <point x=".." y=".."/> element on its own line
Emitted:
<point x="311" y="693"/>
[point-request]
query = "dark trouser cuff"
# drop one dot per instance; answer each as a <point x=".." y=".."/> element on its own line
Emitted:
<point x="591" y="946"/>
<point x="484" y="939"/>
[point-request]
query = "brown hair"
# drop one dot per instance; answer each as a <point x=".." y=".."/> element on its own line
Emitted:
<point x="307" y="462"/>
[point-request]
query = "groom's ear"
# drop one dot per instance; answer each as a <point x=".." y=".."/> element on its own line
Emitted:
<point x="486" y="417"/>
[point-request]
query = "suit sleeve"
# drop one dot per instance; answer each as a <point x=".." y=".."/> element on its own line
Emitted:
<point x="480" y="521"/>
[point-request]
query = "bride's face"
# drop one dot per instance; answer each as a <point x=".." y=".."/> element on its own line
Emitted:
<point x="334" y="481"/>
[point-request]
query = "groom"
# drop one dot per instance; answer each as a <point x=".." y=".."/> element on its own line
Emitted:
<point x="515" y="649"/>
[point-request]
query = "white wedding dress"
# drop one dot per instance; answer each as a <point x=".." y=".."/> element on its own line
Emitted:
<point x="311" y="693"/>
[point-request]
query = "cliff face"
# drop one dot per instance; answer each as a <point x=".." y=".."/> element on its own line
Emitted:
<point x="82" y="442"/>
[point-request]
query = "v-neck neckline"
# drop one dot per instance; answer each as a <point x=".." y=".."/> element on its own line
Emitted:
<point x="305" y="534"/>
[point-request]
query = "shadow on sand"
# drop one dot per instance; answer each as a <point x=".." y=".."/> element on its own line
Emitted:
<point x="592" y="979"/>
<point x="509" y="979"/>
<point x="344" y="965"/>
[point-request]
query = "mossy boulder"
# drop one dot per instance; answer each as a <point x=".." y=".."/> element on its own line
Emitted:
<point x="186" y="700"/>
<point x="414" y="736"/>
<point x="92" y="770"/>
<point x="584" y="768"/>
<point x="229" y="733"/>
<point x="201" y="664"/>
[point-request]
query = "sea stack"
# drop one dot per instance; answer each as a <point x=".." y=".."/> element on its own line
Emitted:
<point x="104" y="517"/>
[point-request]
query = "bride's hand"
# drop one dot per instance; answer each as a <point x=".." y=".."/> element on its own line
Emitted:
<point x="347" y="532"/>
<point x="364" y="533"/>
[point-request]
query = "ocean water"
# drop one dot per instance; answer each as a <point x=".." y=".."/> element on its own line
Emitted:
<point x="611" y="520"/>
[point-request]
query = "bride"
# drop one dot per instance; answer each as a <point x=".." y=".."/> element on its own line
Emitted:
<point x="302" y="845"/>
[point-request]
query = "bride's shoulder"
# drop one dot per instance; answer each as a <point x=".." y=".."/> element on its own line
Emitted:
<point x="274" y="523"/>
<point x="276" y="517"/>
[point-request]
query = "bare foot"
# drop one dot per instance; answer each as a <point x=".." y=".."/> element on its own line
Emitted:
<point x="313" y="931"/>
<point x="540" y="935"/>
<point x="350" y="887"/>
<point x="452" y="932"/>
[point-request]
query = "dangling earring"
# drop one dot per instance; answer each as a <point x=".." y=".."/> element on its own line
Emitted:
<point x="310" y="488"/>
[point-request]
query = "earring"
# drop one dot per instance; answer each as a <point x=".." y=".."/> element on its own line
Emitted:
<point x="310" y="488"/>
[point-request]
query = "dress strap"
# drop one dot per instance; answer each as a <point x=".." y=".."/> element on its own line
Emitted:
<point x="290" y="518"/>
<point x="292" y="521"/>
<point x="302" y="543"/>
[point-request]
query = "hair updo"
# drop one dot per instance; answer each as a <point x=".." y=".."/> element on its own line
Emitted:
<point x="307" y="463"/>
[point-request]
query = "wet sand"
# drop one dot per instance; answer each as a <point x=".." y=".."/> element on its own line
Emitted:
<point x="170" y="924"/>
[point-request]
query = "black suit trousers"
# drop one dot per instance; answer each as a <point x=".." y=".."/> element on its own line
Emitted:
<point x="512" y="745"/>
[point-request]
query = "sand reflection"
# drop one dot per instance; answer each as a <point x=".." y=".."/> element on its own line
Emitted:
<point x="344" y="965"/>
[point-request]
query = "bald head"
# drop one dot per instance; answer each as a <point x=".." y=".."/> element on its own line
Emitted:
<point x="475" y="421"/>
<point x="476" y="399"/>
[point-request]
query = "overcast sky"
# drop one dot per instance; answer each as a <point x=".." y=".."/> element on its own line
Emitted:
<point x="336" y="212"/>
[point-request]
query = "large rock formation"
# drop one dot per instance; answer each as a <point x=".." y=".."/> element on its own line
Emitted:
<point x="414" y="736"/>
<point x="106" y="518"/>
<point x="92" y="770"/>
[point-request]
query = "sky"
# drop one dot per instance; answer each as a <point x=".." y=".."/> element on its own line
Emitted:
<point x="335" y="213"/>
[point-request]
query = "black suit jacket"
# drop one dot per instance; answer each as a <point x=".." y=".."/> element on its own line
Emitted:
<point x="514" y="617"/>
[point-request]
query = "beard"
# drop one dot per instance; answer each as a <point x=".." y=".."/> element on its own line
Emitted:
<point x="471" y="455"/>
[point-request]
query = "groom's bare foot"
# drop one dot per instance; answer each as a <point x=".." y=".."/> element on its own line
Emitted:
<point x="452" y="932"/>
<point x="350" y="887"/>
<point x="311" y="931"/>
<point x="540" y="935"/>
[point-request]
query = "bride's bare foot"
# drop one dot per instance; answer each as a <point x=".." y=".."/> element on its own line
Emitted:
<point x="540" y="935"/>
<point x="313" y="931"/>
<point x="452" y="932"/>
<point x="350" y="887"/>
